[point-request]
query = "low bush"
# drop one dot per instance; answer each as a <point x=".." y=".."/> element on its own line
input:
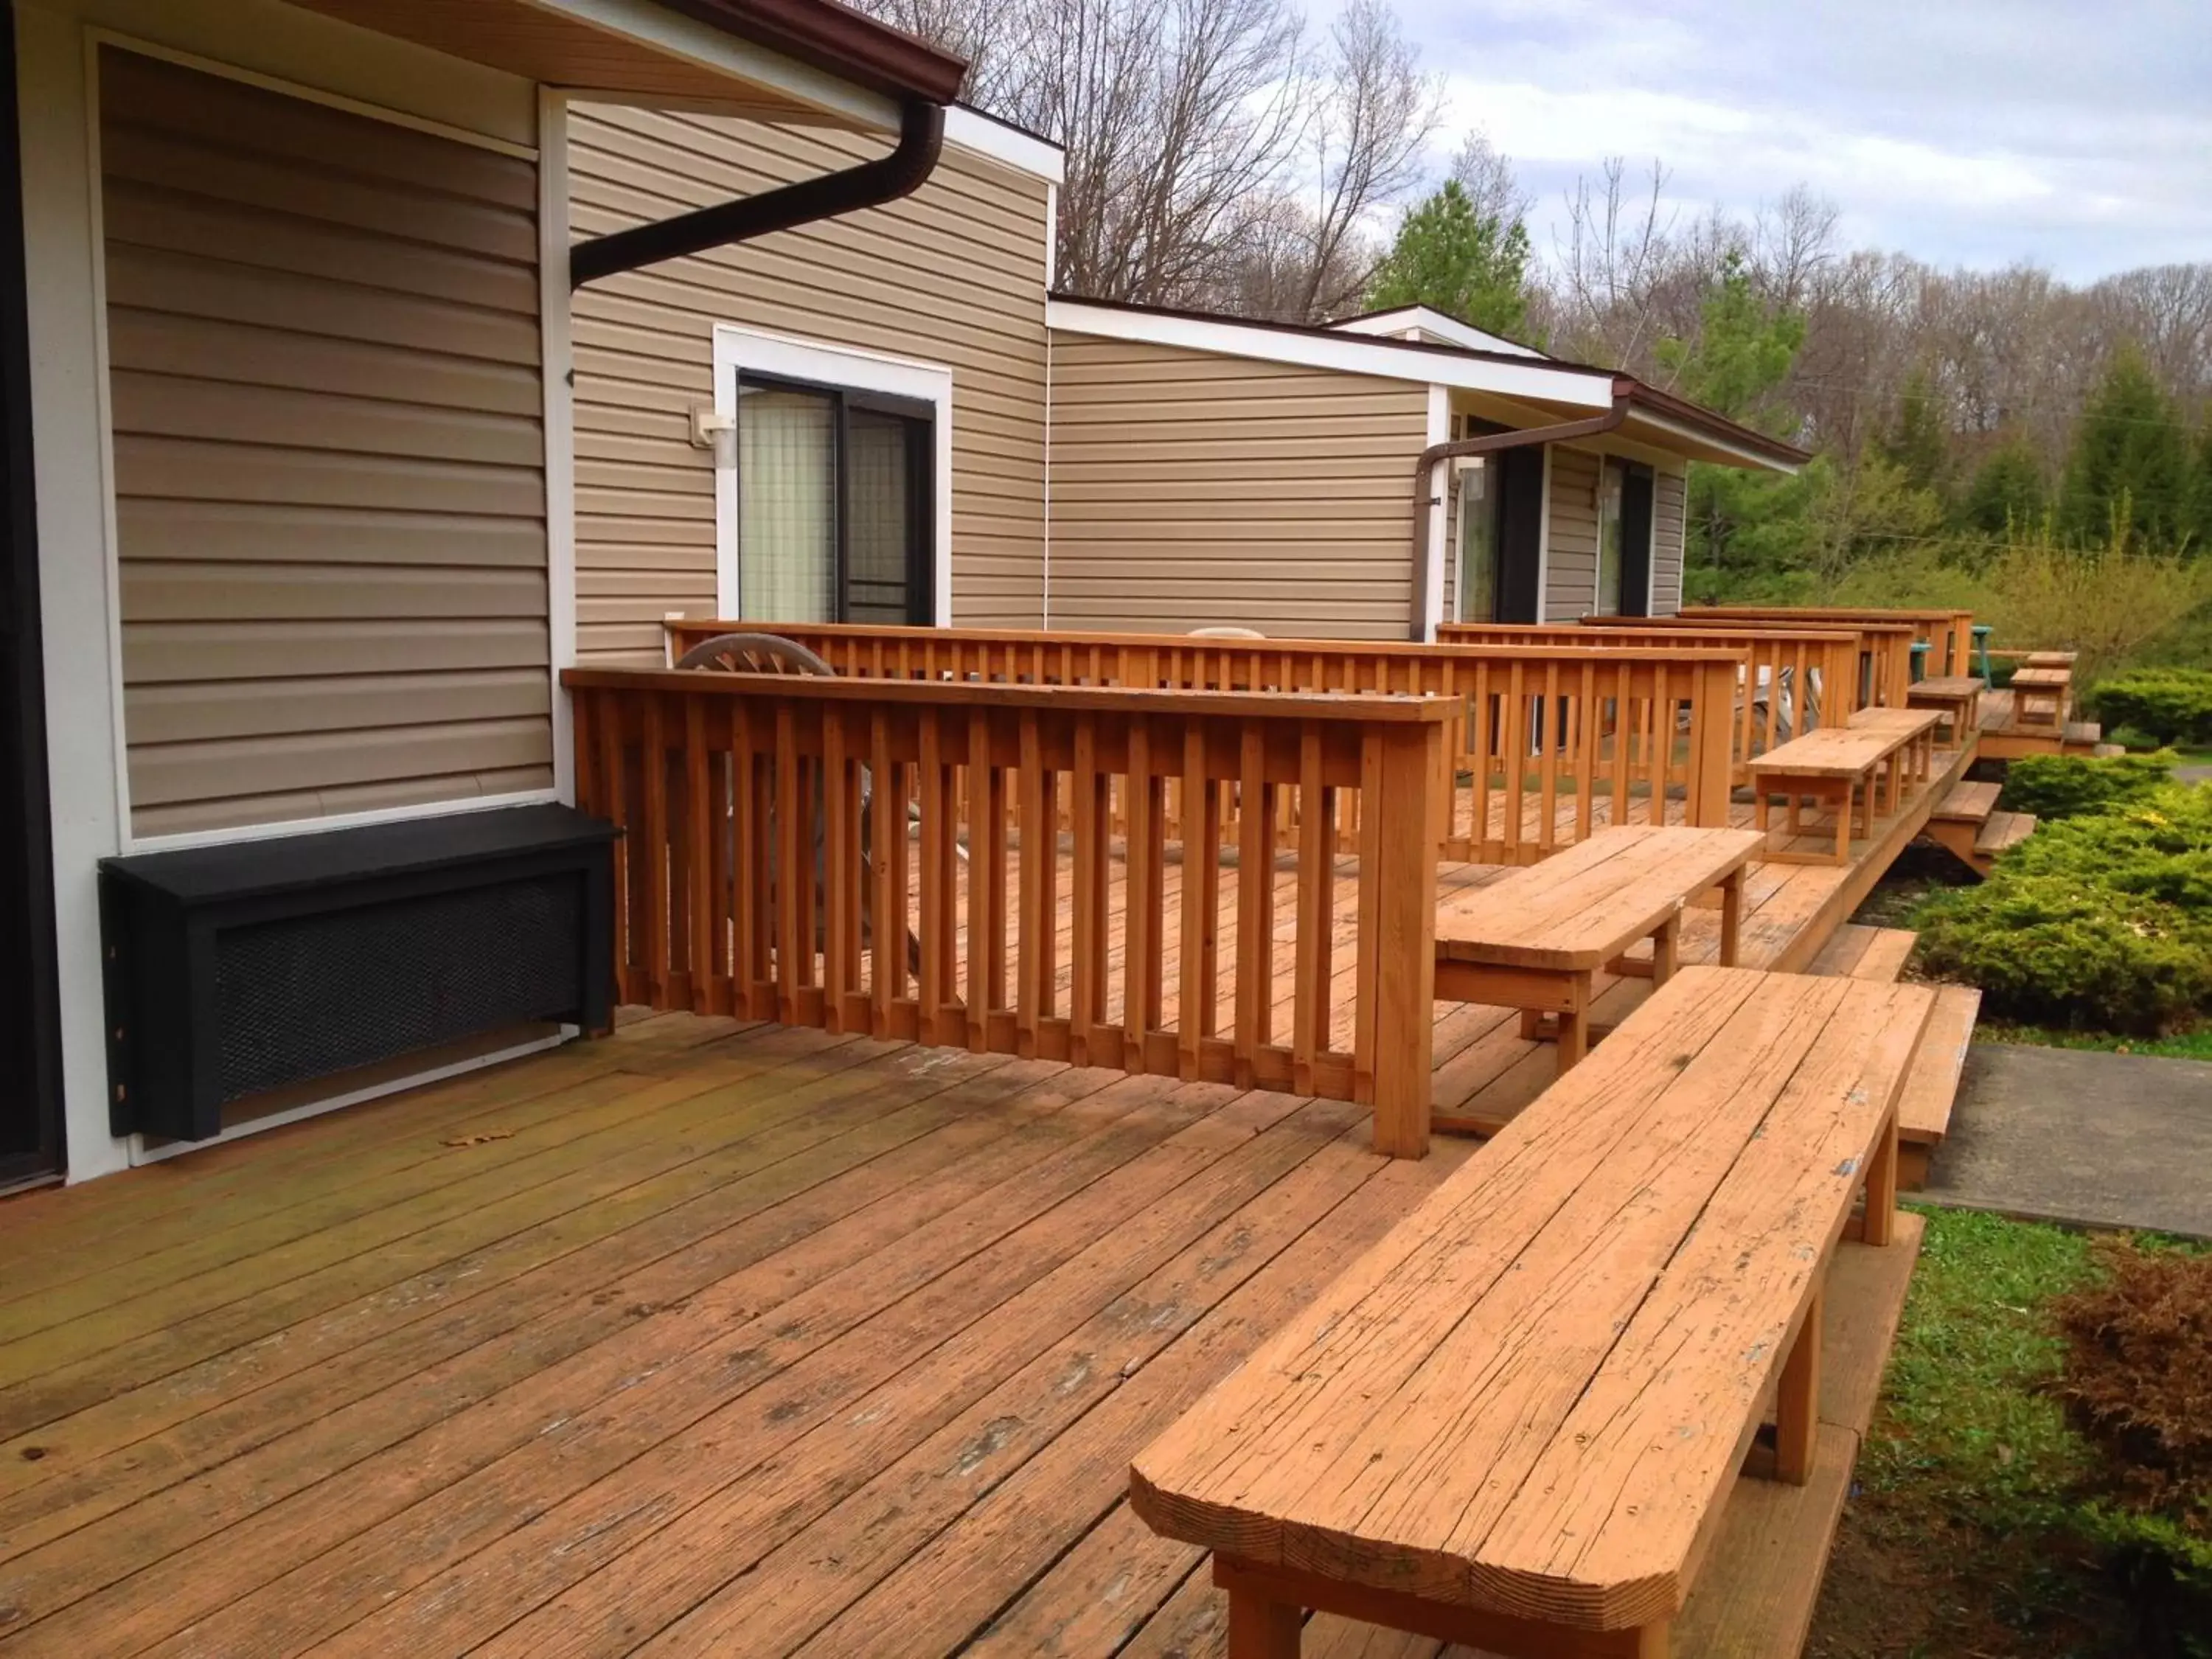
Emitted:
<point x="2167" y="705"/>
<point x="2067" y="786"/>
<point x="2100" y="921"/>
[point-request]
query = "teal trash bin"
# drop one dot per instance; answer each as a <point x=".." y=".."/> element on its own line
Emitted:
<point x="1981" y="632"/>
<point x="1920" y="650"/>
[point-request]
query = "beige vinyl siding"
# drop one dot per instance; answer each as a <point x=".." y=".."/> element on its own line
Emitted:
<point x="1570" y="567"/>
<point x="329" y="457"/>
<point x="1667" y="519"/>
<point x="953" y="275"/>
<point x="1190" y="489"/>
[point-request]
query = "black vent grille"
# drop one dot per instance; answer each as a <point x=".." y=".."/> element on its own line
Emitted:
<point x="305" y="996"/>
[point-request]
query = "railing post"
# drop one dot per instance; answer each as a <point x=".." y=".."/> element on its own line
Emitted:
<point x="1712" y="732"/>
<point x="1397" y="978"/>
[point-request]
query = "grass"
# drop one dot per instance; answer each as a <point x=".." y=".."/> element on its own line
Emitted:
<point x="2190" y="1045"/>
<point x="1959" y="1539"/>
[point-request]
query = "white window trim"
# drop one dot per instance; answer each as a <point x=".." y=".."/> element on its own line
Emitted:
<point x="756" y="351"/>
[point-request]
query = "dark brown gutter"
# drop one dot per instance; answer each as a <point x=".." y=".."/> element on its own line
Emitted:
<point x="886" y="179"/>
<point x="845" y="42"/>
<point x="1488" y="444"/>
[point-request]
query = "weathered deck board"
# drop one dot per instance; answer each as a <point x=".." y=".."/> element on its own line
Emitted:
<point x="513" y="1361"/>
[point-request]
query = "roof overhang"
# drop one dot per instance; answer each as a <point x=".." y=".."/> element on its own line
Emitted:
<point x="1666" y="421"/>
<point x="1501" y="374"/>
<point x="788" y="60"/>
<point x="1426" y="323"/>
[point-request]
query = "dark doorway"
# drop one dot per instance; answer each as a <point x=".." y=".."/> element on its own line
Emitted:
<point x="30" y="1040"/>
<point x="1520" y="532"/>
<point x="1635" y="487"/>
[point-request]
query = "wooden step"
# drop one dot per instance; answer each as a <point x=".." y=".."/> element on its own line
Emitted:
<point x="1969" y="803"/>
<point x="2003" y="830"/>
<point x="1887" y="954"/>
<point x="2106" y="750"/>
<point x="1845" y="949"/>
<point x="1931" y="1084"/>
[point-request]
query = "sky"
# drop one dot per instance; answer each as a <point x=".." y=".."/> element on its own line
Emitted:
<point x="1981" y="133"/>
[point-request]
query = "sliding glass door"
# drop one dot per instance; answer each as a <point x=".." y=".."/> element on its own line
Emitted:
<point x="834" y="511"/>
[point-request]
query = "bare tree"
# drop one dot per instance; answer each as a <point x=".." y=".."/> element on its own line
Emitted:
<point x="1377" y="113"/>
<point x="1617" y="246"/>
<point x="1486" y="174"/>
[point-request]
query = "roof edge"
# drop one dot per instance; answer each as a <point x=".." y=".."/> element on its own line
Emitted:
<point x="838" y="40"/>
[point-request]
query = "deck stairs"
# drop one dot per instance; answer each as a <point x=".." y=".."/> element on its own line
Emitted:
<point x="1968" y="824"/>
<point x="1931" y="1085"/>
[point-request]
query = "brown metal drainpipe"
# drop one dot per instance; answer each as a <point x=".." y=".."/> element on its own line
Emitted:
<point x="1489" y="443"/>
<point x="886" y="179"/>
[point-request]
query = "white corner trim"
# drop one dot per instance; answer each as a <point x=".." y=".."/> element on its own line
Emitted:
<point x="1391" y="360"/>
<point x="556" y="358"/>
<point x="1449" y="329"/>
<point x="1544" y="543"/>
<point x="141" y="1154"/>
<point x="1430" y="599"/>
<point x="664" y="31"/>
<point x="786" y="357"/>
<point x="1051" y="235"/>
<point x="981" y="135"/>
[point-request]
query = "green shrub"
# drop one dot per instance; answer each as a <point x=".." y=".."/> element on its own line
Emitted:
<point x="2055" y="950"/>
<point x="2167" y="705"/>
<point x="2067" y="786"/>
<point x="2100" y="921"/>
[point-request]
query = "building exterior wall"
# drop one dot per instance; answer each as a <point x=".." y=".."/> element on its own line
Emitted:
<point x="329" y="456"/>
<point x="953" y="276"/>
<point x="1669" y="518"/>
<point x="1570" y="562"/>
<point x="1190" y="489"/>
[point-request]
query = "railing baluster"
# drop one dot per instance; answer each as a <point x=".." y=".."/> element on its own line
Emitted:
<point x="1087" y="952"/>
<point x="1255" y="905"/>
<point x="1202" y="902"/>
<point x="1309" y="998"/>
<point x="699" y="860"/>
<point x="654" y="852"/>
<point x="1145" y="898"/>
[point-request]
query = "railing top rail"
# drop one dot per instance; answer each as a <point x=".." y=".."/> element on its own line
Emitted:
<point x="1358" y="708"/>
<point x="1661" y="627"/>
<point x="1871" y="613"/>
<point x="1859" y="623"/>
<point x="1407" y="650"/>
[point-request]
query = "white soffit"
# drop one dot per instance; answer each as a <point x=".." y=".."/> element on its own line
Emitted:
<point x="981" y="135"/>
<point x="1328" y="350"/>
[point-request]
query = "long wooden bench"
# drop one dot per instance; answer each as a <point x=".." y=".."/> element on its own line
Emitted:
<point x="1861" y="762"/>
<point x="1537" y="941"/>
<point x="1515" y="1422"/>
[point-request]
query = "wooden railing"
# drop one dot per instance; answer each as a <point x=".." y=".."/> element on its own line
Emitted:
<point x="1948" y="633"/>
<point x="767" y="869"/>
<point x="1885" y="646"/>
<point x="1788" y="681"/>
<point x="1546" y="742"/>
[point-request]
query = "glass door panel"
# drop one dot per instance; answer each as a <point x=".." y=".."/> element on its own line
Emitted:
<point x="786" y="504"/>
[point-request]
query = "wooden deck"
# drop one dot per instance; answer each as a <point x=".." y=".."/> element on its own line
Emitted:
<point x="718" y="1339"/>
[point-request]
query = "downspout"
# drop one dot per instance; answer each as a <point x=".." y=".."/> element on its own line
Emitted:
<point x="1488" y="444"/>
<point x="886" y="179"/>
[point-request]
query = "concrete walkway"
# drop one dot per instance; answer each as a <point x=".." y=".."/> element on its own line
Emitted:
<point x="2095" y="1139"/>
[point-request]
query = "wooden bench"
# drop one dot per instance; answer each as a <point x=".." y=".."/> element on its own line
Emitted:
<point x="1515" y="1422"/>
<point x="1860" y="760"/>
<point x="2040" y="695"/>
<point x="1536" y="941"/>
<point x="1957" y="698"/>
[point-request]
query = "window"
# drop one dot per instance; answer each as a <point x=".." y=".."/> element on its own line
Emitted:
<point x="834" y="518"/>
<point x="1479" y="499"/>
<point x="831" y="496"/>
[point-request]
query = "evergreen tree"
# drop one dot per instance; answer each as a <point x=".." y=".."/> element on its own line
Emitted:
<point x="1735" y="367"/>
<point x="1919" y="444"/>
<point x="1742" y="353"/>
<point x="2129" y="458"/>
<point x="2007" y="491"/>
<point x="1454" y="259"/>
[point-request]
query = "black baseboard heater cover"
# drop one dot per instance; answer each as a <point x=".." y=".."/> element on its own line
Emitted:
<point x="239" y="969"/>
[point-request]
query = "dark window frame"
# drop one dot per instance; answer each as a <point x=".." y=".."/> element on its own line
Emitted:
<point x="922" y="415"/>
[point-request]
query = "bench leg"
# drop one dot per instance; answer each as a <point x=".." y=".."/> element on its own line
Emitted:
<point x="1797" y="1402"/>
<point x="1666" y="950"/>
<point x="1574" y="1025"/>
<point x="1262" y="1629"/>
<point x="1880" y="1225"/>
<point x="1731" y="918"/>
<point x="1843" y="809"/>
